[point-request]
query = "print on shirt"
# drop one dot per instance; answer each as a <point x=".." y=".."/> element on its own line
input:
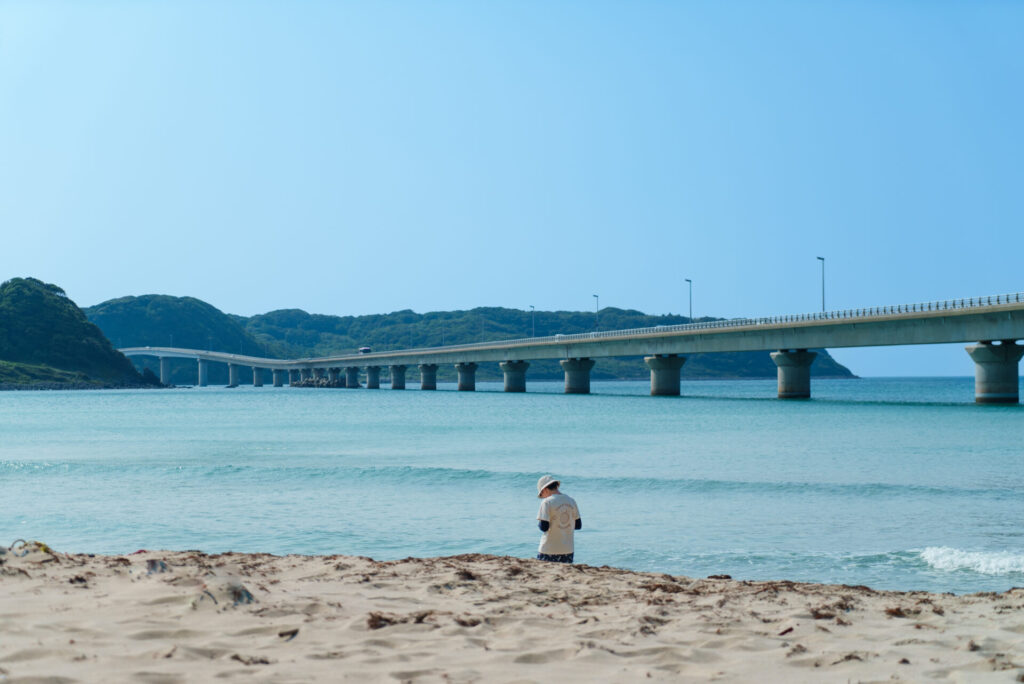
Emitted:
<point x="563" y="515"/>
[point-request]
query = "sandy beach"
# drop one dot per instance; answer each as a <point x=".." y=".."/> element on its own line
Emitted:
<point x="185" y="616"/>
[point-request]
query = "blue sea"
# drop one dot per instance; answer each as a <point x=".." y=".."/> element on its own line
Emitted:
<point x="899" y="483"/>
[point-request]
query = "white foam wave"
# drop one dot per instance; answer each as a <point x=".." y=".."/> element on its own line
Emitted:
<point x="984" y="562"/>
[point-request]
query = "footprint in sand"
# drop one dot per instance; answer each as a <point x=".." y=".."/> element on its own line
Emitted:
<point x="552" y="656"/>
<point x="158" y="678"/>
<point x="165" y="634"/>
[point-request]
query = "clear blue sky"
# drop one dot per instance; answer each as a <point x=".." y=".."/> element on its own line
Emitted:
<point x="365" y="157"/>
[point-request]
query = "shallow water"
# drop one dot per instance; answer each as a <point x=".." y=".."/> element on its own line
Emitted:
<point x="893" y="483"/>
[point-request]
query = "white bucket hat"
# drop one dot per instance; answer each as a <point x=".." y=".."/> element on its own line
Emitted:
<point x="545" y="482"/>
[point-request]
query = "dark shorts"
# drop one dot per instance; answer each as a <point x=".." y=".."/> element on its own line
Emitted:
<point x="561" y="558"/>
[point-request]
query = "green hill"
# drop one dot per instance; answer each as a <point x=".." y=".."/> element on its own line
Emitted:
<point x="165" y="321"/>
<point x="46" y="341"/>
<point x="292" y="333"/>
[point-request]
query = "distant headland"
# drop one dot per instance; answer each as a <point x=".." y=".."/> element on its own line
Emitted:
<point x="46" y="342"/>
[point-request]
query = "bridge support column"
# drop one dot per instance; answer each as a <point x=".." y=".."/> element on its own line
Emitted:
<point x="428" y="376"/>
<point x="515" y="375"/>
<point x="398" y="377"/>
<point x="319" y="373"/>
<point x="794" y="373"/>
<point x="165" y="370"/>
<point x="333" y="374"/>
<point x="352" y="376"/>
<point x="577" y="375"/>
<point x="305" y="373"/>
<point x="278" y="377"/>
<point x="995" y="372"/>
<point x="232" y="375"/>
<point x="665" y="371"/>
<point x="257" y="377"/>
<point x="373" y="377"/>
<point x="467" y="376"/>
<point x="294" y="376"/>
<point x="203" y="368"/>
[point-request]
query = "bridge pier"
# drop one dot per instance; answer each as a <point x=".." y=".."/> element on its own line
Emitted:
<point x="373" y="377"/>
<point x="305" y="373"/>
<point x="257" y="377"/>
<point x="398" y="377"/>
<point x="995" y="372"/>
<point x="165" y="370"/>
<point x="467" y="376"/>
<point x="428" y="376"/>
<point x="232" y="375"/>
<point x="577" y="375"/>
<point x="319" y="373"/>
<point x="352" y="377"/>
<point x="794" y="372"/>
<point x="665" y="370"/>
<point x="203" y="368"/>
<point x="294" y="376"/>
<point x="333" y="374"/>
<point x="278" y="377"/>
<point x="515" y="375"/>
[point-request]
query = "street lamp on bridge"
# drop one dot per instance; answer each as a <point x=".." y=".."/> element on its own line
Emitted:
<point x="822" y="260"/>
<point x="597" y="307"/>
<point x="691" y="298"/>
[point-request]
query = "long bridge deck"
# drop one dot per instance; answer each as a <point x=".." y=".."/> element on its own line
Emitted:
<point x="994" y="322"/>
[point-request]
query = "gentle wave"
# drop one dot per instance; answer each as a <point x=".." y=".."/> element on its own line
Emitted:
<point x="983" y="562"/>
<point x="432" y="476"/>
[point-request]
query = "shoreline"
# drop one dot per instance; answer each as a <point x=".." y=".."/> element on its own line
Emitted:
<point x="184" y="615"/>
<point x="59" y="387"/>
<point x="326" y="384"/>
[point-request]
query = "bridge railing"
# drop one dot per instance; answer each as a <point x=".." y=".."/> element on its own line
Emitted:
<point x="843" y="314"/>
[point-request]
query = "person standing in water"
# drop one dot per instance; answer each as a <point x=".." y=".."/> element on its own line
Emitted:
<point x="559" y="518"/>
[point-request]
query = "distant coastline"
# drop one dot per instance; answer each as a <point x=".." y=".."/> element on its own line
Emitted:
<point x="58" y="386"/>
<point x="187" y="322"/>
<point x="327" y="384"/>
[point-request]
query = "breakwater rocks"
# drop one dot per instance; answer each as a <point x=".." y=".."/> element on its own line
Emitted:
<point x="320" y="382"/>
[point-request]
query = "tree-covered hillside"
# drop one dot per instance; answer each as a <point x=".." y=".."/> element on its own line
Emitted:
<point x="46" y="340"/>
<point x="164" y="321"/>
<point x="292" y="333"/>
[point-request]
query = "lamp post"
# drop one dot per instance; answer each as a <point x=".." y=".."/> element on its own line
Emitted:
<point x="691" y="299"/>
<point x="597" y="307"/>
<point x="533" y="321"/>
<point x="822" y="260"/>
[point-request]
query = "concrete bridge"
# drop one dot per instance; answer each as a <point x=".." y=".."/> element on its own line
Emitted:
<point x="991" y="324"/>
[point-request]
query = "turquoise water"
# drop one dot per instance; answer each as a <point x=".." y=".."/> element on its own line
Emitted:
<point x="893" y="483"/>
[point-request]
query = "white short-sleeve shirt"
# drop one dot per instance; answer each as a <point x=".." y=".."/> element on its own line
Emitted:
<point x="561" y="513"/>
